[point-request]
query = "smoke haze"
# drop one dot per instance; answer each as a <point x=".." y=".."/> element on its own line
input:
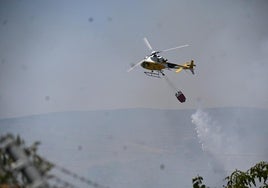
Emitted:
<point x="233" y="142"/>
<point x="146" y="147"/>
<point x="71" y="57"/>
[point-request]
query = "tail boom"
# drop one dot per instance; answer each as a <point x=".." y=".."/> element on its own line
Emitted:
<point x="187" y="66"/>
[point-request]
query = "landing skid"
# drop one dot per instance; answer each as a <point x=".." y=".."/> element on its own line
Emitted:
<point x="155" y="74"/>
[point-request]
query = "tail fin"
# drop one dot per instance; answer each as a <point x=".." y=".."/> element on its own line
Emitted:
<point x="191" y="66"/>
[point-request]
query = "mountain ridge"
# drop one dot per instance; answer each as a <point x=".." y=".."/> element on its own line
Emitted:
<point x="148" y="147"/>
<point x="137" y="109"/>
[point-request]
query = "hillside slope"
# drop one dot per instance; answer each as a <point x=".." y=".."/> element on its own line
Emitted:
<point x="146" y="147"/>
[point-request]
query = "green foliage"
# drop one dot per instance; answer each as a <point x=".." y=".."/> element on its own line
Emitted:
<point x="43" y="165"/>
<point x="198" y="182"/>
<point x="255" y="176"/>
<point x="249" y="178"/>
<point x="7" y="176"/>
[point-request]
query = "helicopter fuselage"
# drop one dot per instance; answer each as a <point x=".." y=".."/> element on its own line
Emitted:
<point x="154" y="63"/>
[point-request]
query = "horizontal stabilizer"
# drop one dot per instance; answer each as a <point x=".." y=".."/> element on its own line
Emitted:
<point x="179" y="70"/>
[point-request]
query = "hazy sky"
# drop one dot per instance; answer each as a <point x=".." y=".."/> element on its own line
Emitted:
<point x="73" y="55"/>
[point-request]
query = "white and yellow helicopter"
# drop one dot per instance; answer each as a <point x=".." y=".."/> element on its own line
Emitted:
<point x="156" y="63"/>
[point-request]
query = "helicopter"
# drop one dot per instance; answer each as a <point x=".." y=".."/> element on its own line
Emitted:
<point x="156" y="63"/>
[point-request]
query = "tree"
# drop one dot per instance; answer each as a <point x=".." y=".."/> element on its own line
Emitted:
<point x="250" y="177"/>
<point x="255" y="176"/>
<point x="9" y="176"/>
<point x="198" y="182"/>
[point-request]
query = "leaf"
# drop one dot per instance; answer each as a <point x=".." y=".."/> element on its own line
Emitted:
<point x="253" y="181"/>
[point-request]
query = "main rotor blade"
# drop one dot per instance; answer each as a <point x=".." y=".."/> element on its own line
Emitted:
<point x="135" y="66"/>
<point x="174" y="48"/>
<point x="147" y="43"/>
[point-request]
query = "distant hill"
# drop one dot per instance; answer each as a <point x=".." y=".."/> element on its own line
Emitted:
<point x="148" y="147"/>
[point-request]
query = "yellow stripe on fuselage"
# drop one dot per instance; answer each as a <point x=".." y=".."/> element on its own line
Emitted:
<point x="152" y="65"/>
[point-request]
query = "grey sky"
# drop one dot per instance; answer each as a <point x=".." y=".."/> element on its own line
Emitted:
<point x="66" y="55"/>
